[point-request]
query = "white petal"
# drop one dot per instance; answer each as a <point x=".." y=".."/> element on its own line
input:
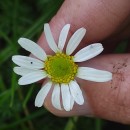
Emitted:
<point x="27" y="62"/>
<point x="56" y="97"/>
<point x="32" y="77"/>
<point x="42" y="94"/>
<point x="76" y="92"/>
<point x="63" y="36"/>
<point x="32" y="47"/>
<point x="66" y="97"/>
<point x="94" y="74"/>
<point x="75" y="40"/>
<point x="50" y="38"/>
<point x="88" y="52"/>
<point x="71" y="102"/>
<point x="22" y="71"/>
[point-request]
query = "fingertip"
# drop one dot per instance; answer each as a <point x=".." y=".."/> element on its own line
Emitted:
<point x="77" y="110"/>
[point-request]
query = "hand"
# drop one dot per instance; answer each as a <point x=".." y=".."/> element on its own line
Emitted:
<point x="107" y="22"/>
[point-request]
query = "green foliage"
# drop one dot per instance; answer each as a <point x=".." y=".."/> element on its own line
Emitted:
<point x="25" y="18"/>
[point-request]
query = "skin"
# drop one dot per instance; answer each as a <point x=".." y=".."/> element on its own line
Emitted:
<point x="107" y="22"/>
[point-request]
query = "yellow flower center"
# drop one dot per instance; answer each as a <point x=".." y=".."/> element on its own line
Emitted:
<point x="61" y="68"/>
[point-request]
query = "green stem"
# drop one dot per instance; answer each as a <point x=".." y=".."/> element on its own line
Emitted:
<point x="98" y="124"/>
<point x="26" y="111"/>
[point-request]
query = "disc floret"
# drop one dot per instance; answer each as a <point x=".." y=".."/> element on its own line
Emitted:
<point x="61" y="68"/>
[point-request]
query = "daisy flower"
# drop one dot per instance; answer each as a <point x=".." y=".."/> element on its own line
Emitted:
<point x="60" y="69"/>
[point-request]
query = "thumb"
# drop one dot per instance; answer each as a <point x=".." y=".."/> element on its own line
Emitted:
<point x="102" y="19"/>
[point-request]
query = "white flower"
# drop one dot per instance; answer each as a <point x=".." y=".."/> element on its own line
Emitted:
<point x="61" y="68"/>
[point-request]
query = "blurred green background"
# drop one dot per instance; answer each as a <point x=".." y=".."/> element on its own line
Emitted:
<point x="17" y="111"/>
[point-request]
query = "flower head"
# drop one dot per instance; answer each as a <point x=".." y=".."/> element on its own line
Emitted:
<point x="60" y="68"/>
